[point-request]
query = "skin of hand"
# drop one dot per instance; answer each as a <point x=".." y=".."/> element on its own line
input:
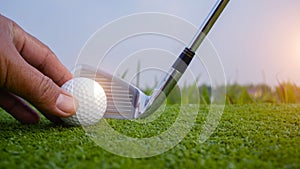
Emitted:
<point x="30" y="71"/>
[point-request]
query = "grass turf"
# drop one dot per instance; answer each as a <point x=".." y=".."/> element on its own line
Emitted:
<point x="248" y="136"/>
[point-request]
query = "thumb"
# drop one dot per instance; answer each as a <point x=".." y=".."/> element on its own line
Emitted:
<point x="29" y="83"/>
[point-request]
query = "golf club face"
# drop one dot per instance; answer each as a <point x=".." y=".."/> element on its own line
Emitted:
<point x="124" y="101"/>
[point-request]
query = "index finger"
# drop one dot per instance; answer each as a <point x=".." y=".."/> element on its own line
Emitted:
<point x="40" y="56"/>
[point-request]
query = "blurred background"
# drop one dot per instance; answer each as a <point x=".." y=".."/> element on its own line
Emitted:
<point x="257" y="41"/>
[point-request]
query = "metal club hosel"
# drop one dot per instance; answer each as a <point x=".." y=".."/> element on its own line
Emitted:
<point x="160" y="93"/>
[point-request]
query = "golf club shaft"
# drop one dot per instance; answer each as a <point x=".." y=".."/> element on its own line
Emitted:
<point x="208" y="24"/>
<point x="187" y="55"/>
<point x="182" y="62"/>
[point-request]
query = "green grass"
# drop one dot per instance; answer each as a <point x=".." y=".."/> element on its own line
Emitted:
<point x="248" y="136"/>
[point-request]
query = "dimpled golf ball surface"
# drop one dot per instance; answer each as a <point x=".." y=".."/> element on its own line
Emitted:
<point x="91" y="101"/>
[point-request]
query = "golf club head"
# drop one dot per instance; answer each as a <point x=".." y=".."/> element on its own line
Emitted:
<point x="124" y="101"/>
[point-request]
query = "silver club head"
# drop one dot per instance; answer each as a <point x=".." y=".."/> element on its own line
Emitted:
<point x="124" y="101"/>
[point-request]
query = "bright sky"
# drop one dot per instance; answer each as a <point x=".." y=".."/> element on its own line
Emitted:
<point x="258" y="41"/>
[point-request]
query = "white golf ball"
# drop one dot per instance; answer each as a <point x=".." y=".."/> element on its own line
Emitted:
<point x="90" y="98"/>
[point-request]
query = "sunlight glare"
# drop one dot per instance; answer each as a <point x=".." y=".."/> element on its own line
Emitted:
<point x="298" y="49"/>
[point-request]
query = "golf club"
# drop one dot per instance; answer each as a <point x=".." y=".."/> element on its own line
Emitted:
<point x="125" y="101"/>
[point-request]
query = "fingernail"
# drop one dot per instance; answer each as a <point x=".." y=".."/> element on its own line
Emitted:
<point x="66" y="103"/>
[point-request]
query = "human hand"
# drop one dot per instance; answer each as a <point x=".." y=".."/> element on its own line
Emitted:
<point x="30" y="70"/>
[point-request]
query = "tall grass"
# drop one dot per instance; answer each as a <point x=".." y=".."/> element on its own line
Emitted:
<point x="284" y="92"/>
<point x="288" y="92"/>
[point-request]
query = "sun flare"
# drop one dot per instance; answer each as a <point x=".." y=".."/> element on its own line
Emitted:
<point x="298" y="49"/>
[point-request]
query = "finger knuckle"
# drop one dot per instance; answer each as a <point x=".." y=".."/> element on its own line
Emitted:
<point x="3" y="71"/>
<point x="42" y="65"/>
<point x="47" y="90"/>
